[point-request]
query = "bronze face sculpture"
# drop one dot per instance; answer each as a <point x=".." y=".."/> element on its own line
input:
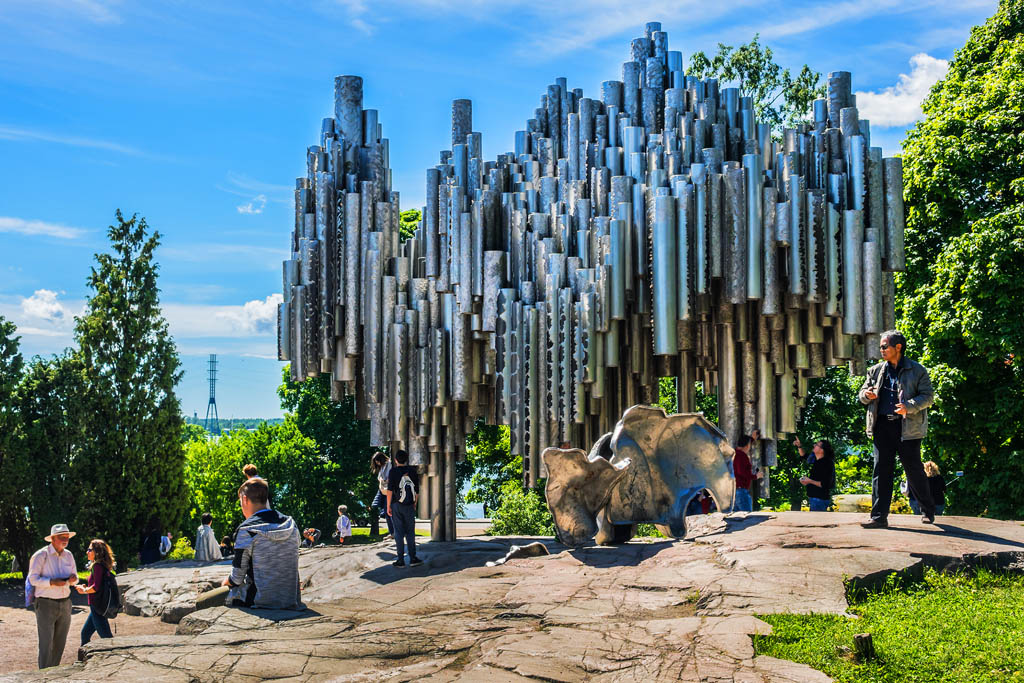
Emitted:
<point x="647" y="470"/>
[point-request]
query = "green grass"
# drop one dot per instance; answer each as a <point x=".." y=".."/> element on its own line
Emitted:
<point x="361" y="535"/>
<point x="945" y="628"/>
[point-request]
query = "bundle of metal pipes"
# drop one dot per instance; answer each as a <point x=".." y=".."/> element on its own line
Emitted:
<point x="660" y="231"/>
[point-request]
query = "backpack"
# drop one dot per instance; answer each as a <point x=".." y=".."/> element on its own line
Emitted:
<point x="30" y="594"/>
<point x="110" y="600"/>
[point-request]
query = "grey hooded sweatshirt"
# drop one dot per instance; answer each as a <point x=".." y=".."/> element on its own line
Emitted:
<point x="265" y="570"/>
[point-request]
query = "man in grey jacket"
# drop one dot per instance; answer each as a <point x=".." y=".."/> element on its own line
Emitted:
<point x="265" y="569"/>
<point x="898" y="394"/>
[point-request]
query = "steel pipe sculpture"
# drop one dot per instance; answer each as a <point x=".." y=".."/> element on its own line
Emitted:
<point x="659" y="231"/>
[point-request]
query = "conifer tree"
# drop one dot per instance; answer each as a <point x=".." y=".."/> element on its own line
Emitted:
<point x="131" y="462"/>
<point x="15" y="531"/>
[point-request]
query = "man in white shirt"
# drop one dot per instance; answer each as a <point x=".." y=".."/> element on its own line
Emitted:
<point x="52" y="572"/>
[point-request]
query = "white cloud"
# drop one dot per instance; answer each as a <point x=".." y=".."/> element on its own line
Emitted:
<point x="254" y="206"/>
<point x="32" y="227"/>
<point x="900" y="105"/>
<point x="256" y="317"/>
<point x="19" y="134"/>
<point x="252" y="319"/>
<point x="43" y="305"/>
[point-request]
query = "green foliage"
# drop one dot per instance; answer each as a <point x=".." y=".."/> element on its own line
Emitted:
<point x="832" y="412"/>
<point x="521" y="513"/>
<point x="342" y="445"/>
<point x="963" y="292"/>
<point x="130" y="463"/>
<point x="15" y="529"/>
<point x="947" y="628"/>
<point x="408" y="222"/>
<point x="182" y="550"/>
<point x="230" y="423"/>
<point x="646" y="530"/>
<point x="487" y="451"/>
<point x="780" y="99"/>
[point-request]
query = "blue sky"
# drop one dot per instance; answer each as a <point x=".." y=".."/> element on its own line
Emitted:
<point x="197" y="116"/>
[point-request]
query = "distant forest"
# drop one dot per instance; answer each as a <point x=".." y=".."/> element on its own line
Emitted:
<point x="229" y="423"/>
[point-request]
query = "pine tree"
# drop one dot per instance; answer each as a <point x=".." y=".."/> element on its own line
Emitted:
<point x="131" y="465"/>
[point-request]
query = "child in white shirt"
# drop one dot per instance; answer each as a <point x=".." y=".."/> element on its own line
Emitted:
<point x="343" y="524"/>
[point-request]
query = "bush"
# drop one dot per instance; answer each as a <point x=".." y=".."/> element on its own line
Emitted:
<point x="521" y="513"/>
<point x="182" y="550"/>
<point x="646" y="530"/>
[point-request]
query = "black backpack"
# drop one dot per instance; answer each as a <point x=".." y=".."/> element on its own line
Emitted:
<point x="110" y="598"/>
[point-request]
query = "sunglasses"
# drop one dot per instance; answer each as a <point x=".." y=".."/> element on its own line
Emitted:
<point x="883" y="347"/>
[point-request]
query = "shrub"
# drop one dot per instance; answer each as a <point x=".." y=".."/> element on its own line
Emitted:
<point x="521" y="513"/>
<point x="646" y="530"/>
<point x="182" y="550"/>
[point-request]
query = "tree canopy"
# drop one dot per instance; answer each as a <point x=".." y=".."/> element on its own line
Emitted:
<point x="963" y="289"/>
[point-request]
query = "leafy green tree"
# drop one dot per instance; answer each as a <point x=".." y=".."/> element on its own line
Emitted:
<point x="53" y="420"/>
<point x="302" y="482"/>
<point x="963" y="289"/>
<point x="487" y="452"/>
<point x="408" y="222"/>
<point x="340" y="439"/>
<point x="521" y="512"/>
<point x="15" y="529"/>
<point x="131" y="463"/>
<point x="780" y="99"/>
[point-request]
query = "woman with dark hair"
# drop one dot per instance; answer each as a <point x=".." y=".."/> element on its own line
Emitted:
<point x="149" y="543"/>
<point x="380" y="465"/>
<point x="227" y="547"/>
<point x="744" y="474"/>
<point x="822" y="477"/>
<point x="101" y="557"/>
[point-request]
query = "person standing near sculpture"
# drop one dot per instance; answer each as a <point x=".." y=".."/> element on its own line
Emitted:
<point x="51" y="572"/>
<point x="380" y="465"/>
<point x="744" y="474"/>
<point x="822" y="477"/>
<point x="403" y="490"/>
<point x="898" y="393"/>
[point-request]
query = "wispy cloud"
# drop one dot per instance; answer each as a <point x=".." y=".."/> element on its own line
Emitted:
<point x="17" y="134"/>
<point x="95" y="11"/>
<point x="252" y="319"/>
<point x="254" y="206"/>
<point x="900" y="104"/>
<point x="203" y="252"/>
<point x="355" y="13"/>
<point x="33" y="227"/>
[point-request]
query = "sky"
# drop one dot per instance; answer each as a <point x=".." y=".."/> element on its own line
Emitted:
<point x="197" y="115"/>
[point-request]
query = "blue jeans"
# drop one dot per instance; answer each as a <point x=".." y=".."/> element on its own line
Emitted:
<point x="380" y="501"/>
<point x="743" y="502"/>
<point x="818" y="504"/>
<point x="95" y="623"/>
<point x="404" y="517"/>
<point x="916" y="507"/>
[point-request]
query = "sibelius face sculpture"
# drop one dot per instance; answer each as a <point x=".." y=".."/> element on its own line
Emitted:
<point x="657" y="231"/>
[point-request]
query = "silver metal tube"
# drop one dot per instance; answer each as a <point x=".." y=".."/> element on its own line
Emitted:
<point x="892" y="177"/>
<point x="664" y="276"/>
<point x="755" y="250"/>
<point x="853" y="272"/>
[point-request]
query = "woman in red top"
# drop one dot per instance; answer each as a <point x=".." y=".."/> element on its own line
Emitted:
<point x="102" y="559"/>
<point x="744" y="474"/>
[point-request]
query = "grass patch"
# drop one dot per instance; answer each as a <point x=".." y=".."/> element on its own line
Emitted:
<point x="361" y="535"/>
<point x="948" y="627"/>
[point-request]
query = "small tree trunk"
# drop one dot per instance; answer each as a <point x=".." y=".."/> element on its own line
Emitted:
<point x="864" y="648"/>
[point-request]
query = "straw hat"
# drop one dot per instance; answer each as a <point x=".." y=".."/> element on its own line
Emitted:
<point x="58" y="529"/>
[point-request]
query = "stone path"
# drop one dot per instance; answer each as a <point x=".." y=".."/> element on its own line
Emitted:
<point x="642" y="611"/>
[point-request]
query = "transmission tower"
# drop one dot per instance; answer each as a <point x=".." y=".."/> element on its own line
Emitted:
<point x="212" y="423"/>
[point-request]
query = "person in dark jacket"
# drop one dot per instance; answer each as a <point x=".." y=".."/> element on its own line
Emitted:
<point x="403" y="491"/>
<point x="822" y="478"/>
<point x="149" y="542"/>
<point x="898" y="393"/>
<point x="937" y="487"/>
<point x="101" y="557"/>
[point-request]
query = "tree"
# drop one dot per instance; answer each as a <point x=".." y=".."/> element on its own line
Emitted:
<point x="340" y="439"/>
<point x="409" y="221"/>
<point x="131" y="462"/>
<point x="779" y="98"/>
<point x="962" y="292"/>
<point x="15" y="530"/>
<point x="302" y="482"/>
<point x="491" y="466"/>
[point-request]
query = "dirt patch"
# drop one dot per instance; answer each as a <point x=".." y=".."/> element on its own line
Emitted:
<point x="18" y="626"/>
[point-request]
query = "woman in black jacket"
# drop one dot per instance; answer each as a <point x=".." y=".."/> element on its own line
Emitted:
<point x="822" y="477"/>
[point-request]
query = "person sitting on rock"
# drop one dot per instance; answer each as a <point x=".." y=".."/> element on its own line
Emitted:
<point x="227" y="547"/>
<point x="310" y="537"/>
<point x="265" y="568"/>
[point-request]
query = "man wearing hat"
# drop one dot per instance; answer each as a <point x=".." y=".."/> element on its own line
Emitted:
<point x="52" y="572"/>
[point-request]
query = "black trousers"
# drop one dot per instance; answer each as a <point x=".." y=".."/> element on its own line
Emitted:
<point x="888" y="445"/>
